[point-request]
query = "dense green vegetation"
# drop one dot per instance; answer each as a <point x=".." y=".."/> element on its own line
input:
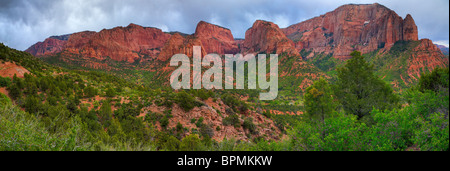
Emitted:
<point x="71" y="109"/>
<point x="359" y="90"/>
<point x="421" y="125"/>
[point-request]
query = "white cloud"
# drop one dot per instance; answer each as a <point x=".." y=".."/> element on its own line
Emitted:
<point x="442" y="42"/>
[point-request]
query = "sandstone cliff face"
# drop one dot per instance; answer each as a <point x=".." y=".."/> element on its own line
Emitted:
<point x="77" y="41"/>
<point x="267" y="37"/>
<point x="119" y="43"/>
<point x="352" y="27"/>
<point x="123" y="43"/>
<point x="212" y="39"/>
<point x="410" y="31"/>
<point x="49" y="46"/>
<point x="426" y="55"/>
<point x="178" y="44"/>
<point x="216" y="39"/>
<point x="132" y="42"/>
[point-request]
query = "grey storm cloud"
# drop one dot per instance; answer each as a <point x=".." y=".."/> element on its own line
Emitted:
<point x="25" y="22"/>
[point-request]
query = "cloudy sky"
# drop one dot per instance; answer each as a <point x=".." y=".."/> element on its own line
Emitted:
<point x="25" y="22"/>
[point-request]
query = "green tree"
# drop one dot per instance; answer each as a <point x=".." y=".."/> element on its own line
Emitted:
<point x="14" y="91"/>
<point x="434" y="81"/>
<point x="4" y="100"/>
<point x="172" y="144"/>
<point x="179" y="127"/>
<point x="110" y="92"/>
<point x="249" y="125"/>
<point x="32" y="104"/>
<point x="90" y="91"/>
<point x="18" y="82"/>
<point x="191" y="143"/>
<point x="319" y="102"/>
<point x="51" y="100"/>
<point x="186" y="101"/>
<point x="359" y="90"/>
<point x="115" y="130"/>
<point x="5" y="81"/>
<point x="164" y="122"/>
<point x="105" y="113"/>
<point x="72" y="105"/>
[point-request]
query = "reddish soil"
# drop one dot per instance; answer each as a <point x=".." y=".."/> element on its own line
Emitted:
<point x="8" y="69"/>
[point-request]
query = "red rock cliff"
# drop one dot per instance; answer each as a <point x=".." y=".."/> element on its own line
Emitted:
<point x="49" y="46"/>
<point x="426" y="55"/>
<point x="216" y="39"/>
<point x="119" y="43"/>
<point x="352" y="27"/>
<point x="267" y="37"/>
<point x="178" y="44"/>
<point x="410" y="31"/>
<point x="123" y="43"/>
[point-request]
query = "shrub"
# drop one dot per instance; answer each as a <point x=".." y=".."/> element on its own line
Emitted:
<point x="5" y="81"/>
<point x="23" y="132"/>
<point x="232" y="120"/>
<point x="172" y="144"/>
<point x="164" y="122"/>
<point x="199" y="122"/>
<point x="191" y="143"/>
<point x="267" y="114"/>
<point x="186" y="101"/>
<point x="4" y="100"/>
<point x="234" y="103"/>
<point x="110" y="92"/>
<point x="193" y="120"/>
<point x="249" y="125"/>
<point x="434" y="81"/>
<point x="206" y="131"/>
<point x="179" y="127"/>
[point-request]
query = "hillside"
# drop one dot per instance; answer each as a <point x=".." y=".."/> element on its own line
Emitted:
<point x="311" y="49"/>
<point x="112" y="107"/>
<point x="99" y="111"/>
<point x="390" y="42"/>
<point x="444" y="49"/>
<point x="354" y="79"/>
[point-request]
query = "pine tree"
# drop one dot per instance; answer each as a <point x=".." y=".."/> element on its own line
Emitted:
<point x="32" y="104"/>
<point x="14" y="91"/>
<point x="110" y="92"/>
<point x="319" y="103"/>
<point x="105" y="113"/>
<point x="359" y="90"/>
<point x="18" y="82"/>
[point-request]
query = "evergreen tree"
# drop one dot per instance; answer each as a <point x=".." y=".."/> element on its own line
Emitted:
<point x="434" y="81"/>
<point x="5" y="81"/>
<point x="190" y="143"/>
<point x="105" y="113"/>
<point x="72" y="104"/>
<point x="185" y="101"/>
<point x="32" y="104"/>
<point x="319" y="103"/>
<point x="4" y="100"/>
<point x="359" y="90"/>
<point x="14" y="91"/>
<point x="90" y="91"/>
<point x="110" y="92"/>
<point x="18" y="82"/>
